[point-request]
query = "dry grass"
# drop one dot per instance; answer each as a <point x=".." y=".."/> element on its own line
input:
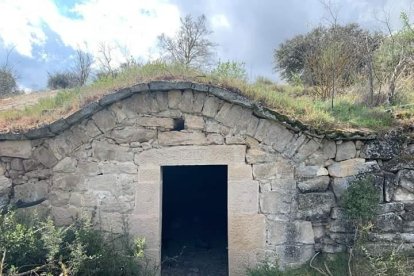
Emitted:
<point x="291" y="101"/>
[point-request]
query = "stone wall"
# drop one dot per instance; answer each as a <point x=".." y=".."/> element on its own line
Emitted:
<point x="285" y="184"/>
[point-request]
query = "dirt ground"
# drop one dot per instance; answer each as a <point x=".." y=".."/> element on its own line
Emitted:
<point x="197" y="262"/>
<point x="22" y="101"/>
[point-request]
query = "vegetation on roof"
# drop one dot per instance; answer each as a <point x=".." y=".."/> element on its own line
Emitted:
<point x="293" y="101"/>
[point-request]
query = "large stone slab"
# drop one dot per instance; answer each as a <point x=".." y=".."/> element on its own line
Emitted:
<point x="21" y="149"/>
<point x="193" y="155"/>
<point x="243" y="197"/>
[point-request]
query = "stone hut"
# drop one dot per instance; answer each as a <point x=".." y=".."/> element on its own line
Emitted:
<point x="283" y="182"/>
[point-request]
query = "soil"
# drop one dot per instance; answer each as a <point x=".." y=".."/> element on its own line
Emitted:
<point x="195" y="261"/>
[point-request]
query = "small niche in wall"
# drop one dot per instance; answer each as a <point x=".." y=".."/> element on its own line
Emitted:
<point x="178" y="124"/>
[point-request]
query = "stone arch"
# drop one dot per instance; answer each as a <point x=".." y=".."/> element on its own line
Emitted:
<point x="105" y="160"/>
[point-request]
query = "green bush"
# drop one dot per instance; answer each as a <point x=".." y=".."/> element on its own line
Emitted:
<point x="361" y="200"/>
<point x="36" y="246"/>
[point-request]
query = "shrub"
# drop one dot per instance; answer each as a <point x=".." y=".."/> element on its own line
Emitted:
<point x="8" y="83"/>
<point x="361" y="200"/>
<point x="62" y="80"/>
<point x="230" y="70"/>
<point x="36" y="246"/>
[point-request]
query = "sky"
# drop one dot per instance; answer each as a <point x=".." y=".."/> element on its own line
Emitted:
<point x="44" y="34"/>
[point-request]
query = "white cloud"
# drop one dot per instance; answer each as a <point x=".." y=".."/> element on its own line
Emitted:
<point x="127" y="23"/>
<point x="220" y="21"/>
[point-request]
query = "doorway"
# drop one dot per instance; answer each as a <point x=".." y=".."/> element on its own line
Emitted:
<point x="194" y="220"/>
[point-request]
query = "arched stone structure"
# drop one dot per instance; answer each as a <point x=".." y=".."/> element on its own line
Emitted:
<point x="284" y="181"/>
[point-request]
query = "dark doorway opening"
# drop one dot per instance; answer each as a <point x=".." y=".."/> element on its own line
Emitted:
<point x="194" y="220"/>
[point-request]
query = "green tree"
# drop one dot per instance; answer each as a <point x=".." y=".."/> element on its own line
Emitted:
<point x="190" y="46"/>
<point x="326" y="57"/>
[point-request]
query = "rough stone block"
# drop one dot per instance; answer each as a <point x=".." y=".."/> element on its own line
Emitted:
<point x="310" y="171"/>
<point x="63" y="215"/>
<point x="167" y="123"/>
<point x="114" y="167"/>
<point x="162" y="100"/>
<point x="389" y="222"/>
<point x="174" y="98"/>
<point x="317" y="184"/>
<point x="173" y="138"/>
<point x="193" y="122"/>
<point x="306" y="149"/>
<point x="20" y="149"/>
<point x="275" y="202"/>
<point x="286" y="232"/>
<point x="215" y="139"/>
<point x="283" y="184"/>
<point x="345" y="151"/>
<point x="380" y="149"/>
<point x="186" y="103"/>
<point x="278" y="136"/>
<point x="352" y="167"/>
<point x="406" y="180"/>
<point x="329" y="148"/>
<point x="256" y="155"/>
<point x="315" y="206"/>
<point x="45" y="156"/>
<point x="214" y="127"/>
<point x="403" y="195"/>
<point x="104" y="120"/>
<point x="66" y="165"/>
<point x="279" y="169"/>
<point x="211" y="106"/>
<point x="105" y="151"/>
<point x="198" y="103"/>
<point x="130" y="134"/>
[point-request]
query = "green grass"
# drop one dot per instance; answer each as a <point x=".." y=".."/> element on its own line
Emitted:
<point x="292" y="101"/>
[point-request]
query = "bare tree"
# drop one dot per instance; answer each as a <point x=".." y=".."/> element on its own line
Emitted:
<point x="104" y="59"/>
<point x="82" y="68"/>
<point x="395" y="55"/>
<point x="190" y="46"/>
